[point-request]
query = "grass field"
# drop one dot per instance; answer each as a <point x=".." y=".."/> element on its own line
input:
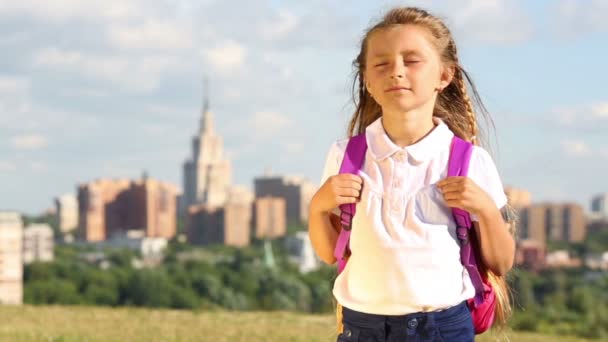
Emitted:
<point x="62" y="323"/>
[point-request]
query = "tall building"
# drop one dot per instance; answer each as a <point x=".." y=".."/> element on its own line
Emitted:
<point x="599" y="207"/>
<point x="113" y="206"/>
<point x="156" y="205"/>
<point x="553" y="222"/>
<point x="11" y="258"/>
<point x="532" y="224"/>
<point x="270" y="217"/>
<point x="38" y="243"/>
<point x="207" y="174"/>
<point x="518" y="198"/>
<point x="296" y="191"/>
<point x="229" y="225"/>
<point x="66" y="208"/>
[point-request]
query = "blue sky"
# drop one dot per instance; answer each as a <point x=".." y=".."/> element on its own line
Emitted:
<point x="93" y="89"/>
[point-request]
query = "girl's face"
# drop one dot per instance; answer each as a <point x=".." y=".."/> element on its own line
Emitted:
<point x="403" y="69"/>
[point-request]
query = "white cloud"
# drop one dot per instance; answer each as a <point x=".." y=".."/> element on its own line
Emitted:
<point x="572" y="18"/>
<point x="29" y="142"/>
<point x="590" y="114"/>
<point x="77" y="92"/>
<point x="62" y="9"/>
<point x="600" y="110"/>
<point x="565" y="117"/>
<point x="38" y="166"/>
<point x="227" y="56"/>
<point x="490" y="21"/>
<point x="279" y="27"/>
<point x="153" y="34"/>
<point x="268" y="124"/>
<point x="7" y="166"/>
<point x="54" y="57"/>
<point x="14" y="97"/>
<point x="11" y="84"/>
<point x="133" y="73"/>
<point x="294" y="147"/>
<point x="576" y="148"/>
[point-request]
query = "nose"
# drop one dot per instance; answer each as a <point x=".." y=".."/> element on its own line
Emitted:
<point x="398" y="69"/>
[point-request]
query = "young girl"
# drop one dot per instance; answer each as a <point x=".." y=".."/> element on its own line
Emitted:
<point x="404" y="280"/>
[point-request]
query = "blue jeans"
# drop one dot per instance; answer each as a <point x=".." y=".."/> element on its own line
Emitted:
<point x="450" y="325"/>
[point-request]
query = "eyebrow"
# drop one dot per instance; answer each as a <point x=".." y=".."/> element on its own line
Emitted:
<point x="406" y="52"/>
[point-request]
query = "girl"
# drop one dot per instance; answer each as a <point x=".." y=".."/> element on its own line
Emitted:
<point x="404" y="280"/>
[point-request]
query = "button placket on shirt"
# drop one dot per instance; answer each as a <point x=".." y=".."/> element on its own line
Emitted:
<point x="398" y="175"/>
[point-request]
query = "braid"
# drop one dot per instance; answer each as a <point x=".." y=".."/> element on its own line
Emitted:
<point x="468" y="105"/>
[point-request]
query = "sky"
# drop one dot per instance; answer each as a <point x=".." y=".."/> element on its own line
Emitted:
<point x="92" y="89"/>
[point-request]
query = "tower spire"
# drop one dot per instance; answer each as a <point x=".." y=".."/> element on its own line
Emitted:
<point x="206" y="118"/>
<point x="205" y="95"/>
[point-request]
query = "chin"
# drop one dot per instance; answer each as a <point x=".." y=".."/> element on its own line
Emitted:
<point x="403" y="106"/>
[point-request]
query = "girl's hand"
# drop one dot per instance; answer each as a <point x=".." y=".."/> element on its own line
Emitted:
<point x="337" y="190"/>
<point x="463" y="193"/>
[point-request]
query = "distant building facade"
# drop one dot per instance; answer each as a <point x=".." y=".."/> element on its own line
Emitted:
<point x="553" y="222"/>
<point x="113" y="206"/>
<point x="270" y="217"/>
<point x="207" y="173"/>
<point x="296" y="191"/>
<point x="38" y="243"/>
<point x="66" y="208"/>
<point x="11" y="258"/>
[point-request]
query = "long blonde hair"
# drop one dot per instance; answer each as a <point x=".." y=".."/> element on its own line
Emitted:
<point x="453" y="106"/>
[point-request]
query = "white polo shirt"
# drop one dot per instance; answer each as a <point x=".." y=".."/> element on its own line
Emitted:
<point x="405" y="254"/>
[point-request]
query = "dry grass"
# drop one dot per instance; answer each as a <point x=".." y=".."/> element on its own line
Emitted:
<point x="63" y="323"/>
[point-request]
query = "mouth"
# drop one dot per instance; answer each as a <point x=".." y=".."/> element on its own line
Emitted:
<point x="397" y="88"/>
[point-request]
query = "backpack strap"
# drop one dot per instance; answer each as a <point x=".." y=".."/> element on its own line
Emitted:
<point x="458" y="165"/>
<point x="351" y="163"/>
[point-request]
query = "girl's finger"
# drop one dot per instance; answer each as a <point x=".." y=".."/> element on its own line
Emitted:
<point x="348" y="192"/>
<point x="351" y="177"/>
<point x="350" y="184"/>
<point x="346" y="199"/>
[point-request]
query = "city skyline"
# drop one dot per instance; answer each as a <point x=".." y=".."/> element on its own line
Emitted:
<point x="120" y="92"/>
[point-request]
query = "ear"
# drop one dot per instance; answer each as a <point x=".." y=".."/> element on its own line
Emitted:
<point x="447" y="75"/>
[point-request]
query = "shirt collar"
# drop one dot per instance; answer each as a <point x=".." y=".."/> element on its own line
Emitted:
<point x="381" y="146"/>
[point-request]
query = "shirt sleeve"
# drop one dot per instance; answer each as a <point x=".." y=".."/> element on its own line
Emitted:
<point x="332" y="164"/>
<point x="332" y="161"/>
<point x="484" y="173"/>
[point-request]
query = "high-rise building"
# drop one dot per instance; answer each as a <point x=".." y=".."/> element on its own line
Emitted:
<point x="553" y="222"/>
<point x="66" y="207"/>
<point x="296" y="191"/>
<point x="113" y="206"/>
<point x="11" y="258"/>
<point x="38" y="243"/>
<point x="229" y="225"/>
<point x="599" y="207"/>
<point x="518" y="198"/>
<point x="270" y="217"/>
<point x="207" y="174"/>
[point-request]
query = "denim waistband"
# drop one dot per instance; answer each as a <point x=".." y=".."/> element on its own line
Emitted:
<point x="448" y="316"/>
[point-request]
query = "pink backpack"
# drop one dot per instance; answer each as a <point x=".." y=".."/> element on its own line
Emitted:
<point x="483" y="305"/>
